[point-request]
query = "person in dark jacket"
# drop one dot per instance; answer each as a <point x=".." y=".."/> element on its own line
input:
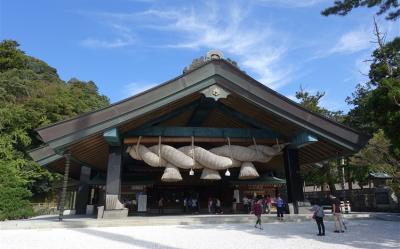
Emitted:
<point x="318" y="215"/>
<point x="280" y="207"/>
<point x="257" y="210"/>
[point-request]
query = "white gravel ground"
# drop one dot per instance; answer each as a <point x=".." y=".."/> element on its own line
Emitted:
<point x="360" y="234"/>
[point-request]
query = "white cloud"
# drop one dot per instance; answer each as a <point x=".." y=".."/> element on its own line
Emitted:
<point x="115" y="43"/>
<point x="353" y="41"/>
<point x="258" y="48"/>
<point x="123" y="35"/>
<point x="349" y="43"/>
<point x="253" y="45"/>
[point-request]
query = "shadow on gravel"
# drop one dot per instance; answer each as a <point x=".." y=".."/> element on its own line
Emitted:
<point x="124" y="239"/>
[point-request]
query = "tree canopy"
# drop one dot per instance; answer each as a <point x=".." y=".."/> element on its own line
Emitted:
<point x="374" y="157"/>
<point x="327" y="173"/>
<point x="376" y="103"/>
<point x="32" y="95"/>
<point x="312" y="103"/>
<point x="345" y="6"/>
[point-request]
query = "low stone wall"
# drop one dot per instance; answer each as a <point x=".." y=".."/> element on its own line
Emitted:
<point x="361" y="200"/>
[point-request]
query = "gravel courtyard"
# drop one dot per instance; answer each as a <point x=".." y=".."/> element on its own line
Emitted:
<point x="360" y="234"/>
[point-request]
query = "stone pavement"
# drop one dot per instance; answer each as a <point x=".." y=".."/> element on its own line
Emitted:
<point x="360" y="233"/>
<point x="76" y="221"/>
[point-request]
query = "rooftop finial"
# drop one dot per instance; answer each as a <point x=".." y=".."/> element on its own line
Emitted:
<point x="211" y="55"/>
<point x="214" y="55"/>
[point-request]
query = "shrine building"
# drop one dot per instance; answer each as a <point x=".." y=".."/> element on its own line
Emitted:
<point x="211" y="132"/>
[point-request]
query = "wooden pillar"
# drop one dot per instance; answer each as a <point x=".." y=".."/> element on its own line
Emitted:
<point x="113" y="183"/>
<point x="294" y="181"/>
<point x="83" y="191"/>
<point x="67" y="157"/>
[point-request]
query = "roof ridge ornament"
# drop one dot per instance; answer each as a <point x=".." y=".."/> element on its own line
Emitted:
<point x="213" y="54"/>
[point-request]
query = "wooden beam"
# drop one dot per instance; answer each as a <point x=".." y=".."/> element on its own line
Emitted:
<point x="302" y="139"/>
<point x="112" y="137"/>
<point x="156" y="131"/>
<point x="223" y="140"/>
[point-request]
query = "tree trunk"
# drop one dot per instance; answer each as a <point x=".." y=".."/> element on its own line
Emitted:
<point x="349" y="181"/>
<point x="331" y="182"/>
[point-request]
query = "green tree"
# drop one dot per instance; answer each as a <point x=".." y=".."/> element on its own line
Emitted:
<point x="374" y="157"/>
<point x="312" y="103"/>
<point x="32" y="95"/>
<point x="326" y="172"/>
<point x="360" y="116"/>
<point x="345" y="6"/>
<point x="377" y="102"/>
<point x="384" y="99"/>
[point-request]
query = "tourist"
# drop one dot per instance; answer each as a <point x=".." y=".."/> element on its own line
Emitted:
<point x="280" y="206"/>
<point x="234" y="205"/>
<point x="263" y="204"/>
<point x="337" y="215"/>
<point x="161" y="205"/>
<point x="268" y="201"/>
<point x="210" y="205"/>
<point x="257" y="210"/>
<point x="190" y="204"/>
<point x="246" y="204"/>
<point x="218" y="206"/>
<point x="318" y="215"/>
<point x="185" y="205"/>
<point x="194" y="205"/>
<point x="252" y="202"/>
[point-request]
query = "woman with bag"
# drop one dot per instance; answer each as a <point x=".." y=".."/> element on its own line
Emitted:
<point x="318" y="216"/>
<point x="257" y="210"/>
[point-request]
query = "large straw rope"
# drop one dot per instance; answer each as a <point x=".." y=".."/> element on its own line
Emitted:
<point x="195" y="157"/>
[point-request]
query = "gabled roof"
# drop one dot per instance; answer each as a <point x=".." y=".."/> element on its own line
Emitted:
<point x="214" y="72"/>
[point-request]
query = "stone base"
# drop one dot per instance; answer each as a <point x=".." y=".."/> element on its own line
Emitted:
<point x="115" y="214"/>
<point x="305" y="210"/>
<point x="303" y="207"/>
<point x="69" y="212"/>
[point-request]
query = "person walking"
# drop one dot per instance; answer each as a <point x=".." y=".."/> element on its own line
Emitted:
<point x="185" y="205"/>
<point x="234" y="205"/>
<point x="194" y="205"/>
<point x="161" y="205"/>
<point x="210" y="205"/>
<point x="264" y="204"/>
<point x="246" y="204"/>
<point x="337" y="215"/>
<point x="190" y="204"/>
<point x="257" y="210"/>
<point x="218" y="206"/>
<point x="318" y="215"/>
<point x="268" y="201"/>
<point x="280" y="206"/>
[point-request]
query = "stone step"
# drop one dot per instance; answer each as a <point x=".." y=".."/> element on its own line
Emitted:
<point x="76" y="221"/>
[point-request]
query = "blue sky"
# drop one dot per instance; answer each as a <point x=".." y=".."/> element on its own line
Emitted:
<point x="127" y="46"/>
